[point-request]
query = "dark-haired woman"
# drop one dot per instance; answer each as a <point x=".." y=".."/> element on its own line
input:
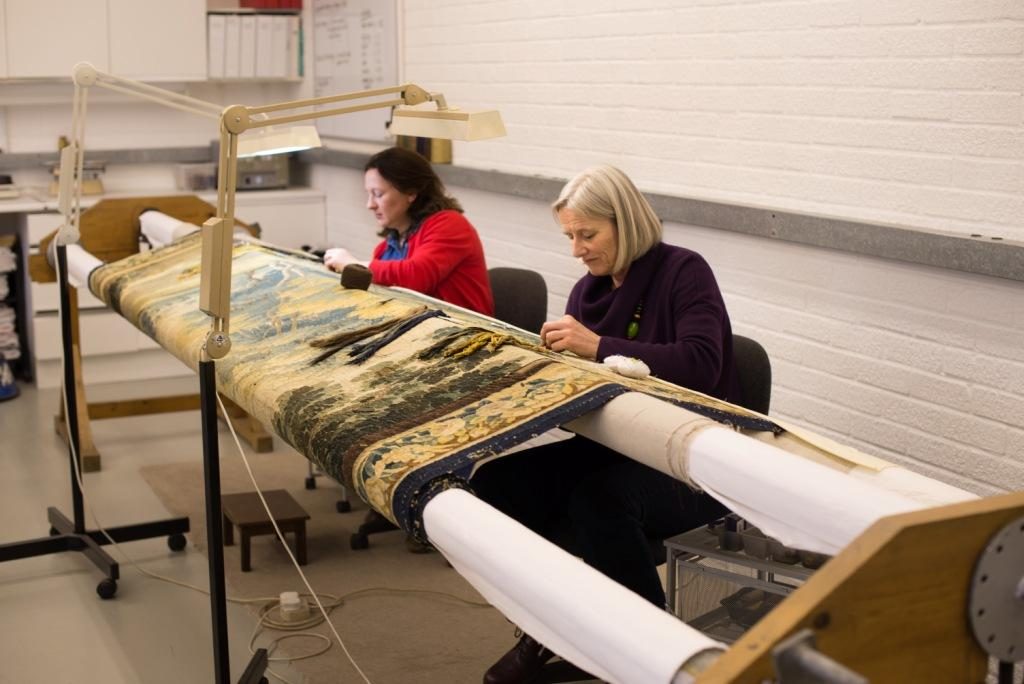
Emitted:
<point x="428" y="245"/>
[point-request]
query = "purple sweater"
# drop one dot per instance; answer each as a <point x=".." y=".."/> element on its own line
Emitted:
<point x="685" y="336"/>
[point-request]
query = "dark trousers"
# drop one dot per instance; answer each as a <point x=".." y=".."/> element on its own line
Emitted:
<point x="597" y="504"/>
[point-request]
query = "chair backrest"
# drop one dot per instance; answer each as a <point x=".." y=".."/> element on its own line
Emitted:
<point x="520" y="297"/>
<point x="755" y="373"/>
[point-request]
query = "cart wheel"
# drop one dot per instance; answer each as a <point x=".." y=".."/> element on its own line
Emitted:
<point x="176" y="542"/>
<point x="107" y="588"/>
<point x="311" y="482"/>
<point x="343" y="506"/>
<point x="359" y="542"/>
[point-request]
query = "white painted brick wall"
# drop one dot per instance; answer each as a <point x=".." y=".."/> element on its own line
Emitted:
<point x="908" y="112"/>
<point x="917" y="365"/>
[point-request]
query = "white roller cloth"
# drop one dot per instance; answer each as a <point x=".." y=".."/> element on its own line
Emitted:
<point x="161" y="229"/>
<point x="797" y="501"/>
<point x="80" y="265"/>
<point x="800" y="502"/>
<point x="566" y="605"/>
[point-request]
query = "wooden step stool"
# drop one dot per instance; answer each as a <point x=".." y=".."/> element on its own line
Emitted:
<point x="246" y="510"/>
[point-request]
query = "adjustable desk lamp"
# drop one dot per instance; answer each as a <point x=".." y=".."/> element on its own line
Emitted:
<point x="69" y="200"/>
<point x="217" y="243"/>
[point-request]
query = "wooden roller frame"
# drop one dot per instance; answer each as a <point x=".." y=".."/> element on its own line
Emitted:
<point x="110" y="231"/>
<point x="892" y="606"/>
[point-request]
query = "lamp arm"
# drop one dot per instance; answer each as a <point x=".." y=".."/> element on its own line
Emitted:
<point x="238" y="119"/>
<point x="86" y="75"/>
<point x="218" y="232"/>
<point x="72" y="158"/>
<point x="319" y="114"/>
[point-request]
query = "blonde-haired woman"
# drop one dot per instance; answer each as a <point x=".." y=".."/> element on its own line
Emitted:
<point x="640" y="298"/>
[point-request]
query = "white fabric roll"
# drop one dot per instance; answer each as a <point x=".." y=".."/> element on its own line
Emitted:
<point x="80" y="265"/>
<point x="161" y="229"/>
<point x="800" y="502"/>
<point x="922" y="489"/>
<point x="574" y="610"/>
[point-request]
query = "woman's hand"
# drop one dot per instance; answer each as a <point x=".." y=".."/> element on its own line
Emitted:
<point x="568" y="334"/>
<point x="336" y="258"/>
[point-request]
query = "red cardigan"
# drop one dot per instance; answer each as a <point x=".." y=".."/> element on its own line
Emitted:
<point x="445" y="260"/>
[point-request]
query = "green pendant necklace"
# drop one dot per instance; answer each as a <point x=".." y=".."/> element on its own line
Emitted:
<point x="633" y="328"/>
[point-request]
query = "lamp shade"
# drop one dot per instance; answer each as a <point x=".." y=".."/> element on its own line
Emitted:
<point x="453" y="124"/>
<point x="271" y="140"/>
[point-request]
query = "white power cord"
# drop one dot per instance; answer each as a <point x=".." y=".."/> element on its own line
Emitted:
<point x="280" y="536"/>
<point x="271" y="605"/>
<point x="270" y="601"/>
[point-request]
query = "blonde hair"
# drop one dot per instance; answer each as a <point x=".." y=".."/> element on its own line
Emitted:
<point x="605" y="192"/>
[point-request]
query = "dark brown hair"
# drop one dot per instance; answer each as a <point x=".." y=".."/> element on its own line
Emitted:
<point x="411" y="173"/>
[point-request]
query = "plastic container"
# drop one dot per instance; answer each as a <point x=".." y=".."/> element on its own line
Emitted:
<point x="748" y="605"/>
<point x="193" y="177"/>
<point x="782" y="553"/>
<point x="755" y="543"/>
<point x="812" y="560"/>
<point x="729" y="538"/>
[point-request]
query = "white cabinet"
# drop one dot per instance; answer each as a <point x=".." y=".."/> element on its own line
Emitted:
<point x="144" y="39"/>
<point x="3" y="40"/>
<point x="291" y="218"/>
<point x="46" y="38"/>
<point x="156" y="39"/>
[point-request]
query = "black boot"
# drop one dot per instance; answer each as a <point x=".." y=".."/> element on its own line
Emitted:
<point x="520" y="665"/>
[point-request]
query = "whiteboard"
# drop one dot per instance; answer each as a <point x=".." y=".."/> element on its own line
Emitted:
<point x="355" y="47"/>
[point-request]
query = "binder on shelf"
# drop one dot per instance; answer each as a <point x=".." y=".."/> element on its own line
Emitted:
<point x="294" y="51"/>
<point x="247" y="46"/>
<point x="215" y="29"/>
<point x="264" y="46"/>
<point x="280" y="45"/>
<point x="232" y="45"/>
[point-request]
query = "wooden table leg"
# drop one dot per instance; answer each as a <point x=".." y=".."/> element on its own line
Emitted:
<point x="246" y="545"/>
<point x="247" y="427"/>
<point x="300" y="542"/>
<point x="89" y="455"/>
<point x="229" y="532"/>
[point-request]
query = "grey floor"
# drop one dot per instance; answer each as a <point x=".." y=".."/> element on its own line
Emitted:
<point x="55" y="628"/>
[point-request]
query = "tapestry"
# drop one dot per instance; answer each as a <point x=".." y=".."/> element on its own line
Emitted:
<point x="394" y="394"/>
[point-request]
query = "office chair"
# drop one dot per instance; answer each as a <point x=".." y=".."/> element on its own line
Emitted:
<point x="520" y="299"/>
<point x="754" y="372"/>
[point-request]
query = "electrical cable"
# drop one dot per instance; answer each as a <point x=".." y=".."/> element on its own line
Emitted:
<point x="269" y="603"/>
<point x="280" y="536"/>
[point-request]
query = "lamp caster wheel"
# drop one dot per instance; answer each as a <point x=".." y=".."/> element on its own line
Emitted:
<point x="176" y="542"/>
<point x="107" y="588"/>
<point x="310" y="482"/>
<point x="343" y="506"/>
<point x="358" y="542"/>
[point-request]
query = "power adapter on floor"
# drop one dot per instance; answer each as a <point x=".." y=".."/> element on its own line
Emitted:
<point x="293" y="607"/>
